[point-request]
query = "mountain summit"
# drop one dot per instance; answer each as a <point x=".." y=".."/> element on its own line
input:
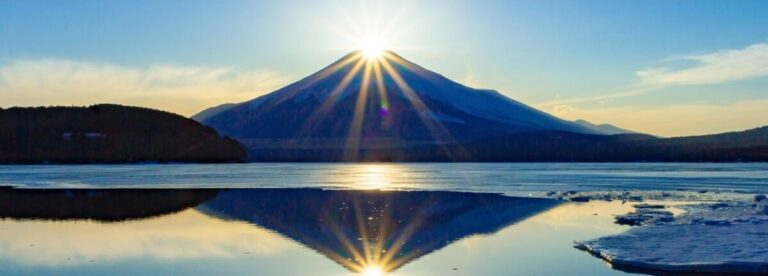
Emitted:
<point x="387" y="102"/>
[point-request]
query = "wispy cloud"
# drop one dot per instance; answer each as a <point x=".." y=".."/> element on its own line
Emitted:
<point x="712" y="68"/>
<point x="717" y="67"/>
<point x="181" y="89"/>
<point x="677" y="119"/>
<point x="724" y="66"/>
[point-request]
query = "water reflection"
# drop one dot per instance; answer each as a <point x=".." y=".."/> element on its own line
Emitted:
<point x="99" y="205"/>
<point x="368" y="232"/>
<point x="373" y="229"/>
<point x="187" y="234"/>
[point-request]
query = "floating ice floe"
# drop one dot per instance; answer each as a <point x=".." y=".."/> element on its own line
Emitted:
<point x="725" y="237"/>
<point x="643" y="195"/>
<point x="646" y="214"/>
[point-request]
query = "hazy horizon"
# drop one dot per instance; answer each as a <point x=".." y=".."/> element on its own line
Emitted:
<point x="664" y="68"/>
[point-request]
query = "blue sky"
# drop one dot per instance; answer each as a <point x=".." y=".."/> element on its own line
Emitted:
<point x="664" y="67"/>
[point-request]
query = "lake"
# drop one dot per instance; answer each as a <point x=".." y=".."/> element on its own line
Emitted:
<point x="513" y="178"/>
<point x="327" y="219"/>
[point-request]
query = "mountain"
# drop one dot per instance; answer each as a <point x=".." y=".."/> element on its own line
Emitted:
<point x="605" y="129"/>
<point x="109" y="134"/>
<point x="389" y="102"/>
<point x="390" y="109"/>
<point x="210" y="112"/>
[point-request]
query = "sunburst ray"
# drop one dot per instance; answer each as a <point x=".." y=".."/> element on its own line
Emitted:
<point x="311" y="80"/>
<point x="352" y="148"/>
<point x="378" y="69"/>
<point x="331" y="98"/>
<point x="438" y="131"/>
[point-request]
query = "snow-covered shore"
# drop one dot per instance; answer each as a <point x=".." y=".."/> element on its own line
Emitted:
<point x="720" y="237"/>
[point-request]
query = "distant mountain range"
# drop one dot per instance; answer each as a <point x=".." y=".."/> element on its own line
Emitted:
<point x="605" y="129"/>
<point x="109" y="134"/>
<point x="555" y="146"/>
<point x="390" y="109"/>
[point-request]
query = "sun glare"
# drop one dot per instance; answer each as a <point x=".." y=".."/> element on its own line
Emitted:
<point x="373" y="52"/>
<point x="372" y="271"/>
<point x="372" y="48"/>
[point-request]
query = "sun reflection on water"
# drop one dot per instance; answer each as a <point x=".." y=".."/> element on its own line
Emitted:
<point x="376" y="176"/>
<point x="373" y="176"/>
<point x="373" y="271"/>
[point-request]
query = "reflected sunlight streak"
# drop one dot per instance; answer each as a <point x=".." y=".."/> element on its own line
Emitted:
<point x="375" y="254"/>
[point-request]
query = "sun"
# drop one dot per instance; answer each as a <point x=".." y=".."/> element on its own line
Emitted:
<point x="372" y="47"/>
<point x="373" y="52"/>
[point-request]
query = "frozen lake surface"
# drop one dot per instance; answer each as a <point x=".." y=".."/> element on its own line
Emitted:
<point x="510" y="178"/>
<point x="296" y="232"/>
<point x="331" y="219"/>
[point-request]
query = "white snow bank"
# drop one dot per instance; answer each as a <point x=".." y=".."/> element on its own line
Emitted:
<point x="713" y="238"/>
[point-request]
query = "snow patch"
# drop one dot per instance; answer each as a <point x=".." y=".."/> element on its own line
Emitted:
<point x="725" y="237"/>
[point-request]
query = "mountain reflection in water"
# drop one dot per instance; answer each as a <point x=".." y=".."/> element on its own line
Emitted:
<point x="359" y="230"/>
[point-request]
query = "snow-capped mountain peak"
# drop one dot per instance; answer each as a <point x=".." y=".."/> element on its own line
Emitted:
<point x="375" y="99"/>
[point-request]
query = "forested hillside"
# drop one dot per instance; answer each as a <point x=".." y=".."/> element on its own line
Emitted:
<point x="109" y="134"/>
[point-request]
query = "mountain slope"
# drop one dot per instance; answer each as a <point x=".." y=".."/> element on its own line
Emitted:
<point x="212" y="111"/>
<point x="378" y="103"/>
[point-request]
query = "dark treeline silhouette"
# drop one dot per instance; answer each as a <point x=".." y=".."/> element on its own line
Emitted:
<point x="115" y="134"/>
<point x="109" y="134"/>
<point x="557" y="146"/>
